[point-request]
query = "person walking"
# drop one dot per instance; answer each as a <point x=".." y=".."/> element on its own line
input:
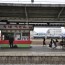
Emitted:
<point x="50" y="45"/>
<point x="55" y="45"/>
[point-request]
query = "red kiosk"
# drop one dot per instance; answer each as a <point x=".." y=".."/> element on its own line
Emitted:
<point x="21" y="34"/>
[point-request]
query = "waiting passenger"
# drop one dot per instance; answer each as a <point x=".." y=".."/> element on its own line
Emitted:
<point x="56" y="40"/>
<point x="11" y="39"/>
<point x="44" y="42"/>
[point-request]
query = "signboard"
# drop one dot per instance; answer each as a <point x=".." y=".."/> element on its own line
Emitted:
<point x="12" y="31"/>
<point x="5" y="27"/>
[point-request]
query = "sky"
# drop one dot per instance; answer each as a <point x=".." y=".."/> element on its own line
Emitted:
<point x="40" y="30"/>
<point x="35" y="1"/>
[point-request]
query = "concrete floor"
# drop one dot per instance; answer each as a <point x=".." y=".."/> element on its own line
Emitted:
<point x="38" y="50"/>
<point x="34" y="48"/>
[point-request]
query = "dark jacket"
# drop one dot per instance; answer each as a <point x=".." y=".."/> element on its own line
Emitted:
<point x="11" y="39"/>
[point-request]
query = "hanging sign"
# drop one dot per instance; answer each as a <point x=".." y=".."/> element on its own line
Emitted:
<point x="16" y="27"/>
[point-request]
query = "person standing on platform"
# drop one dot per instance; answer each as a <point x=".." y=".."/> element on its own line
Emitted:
<point x="44" y="43"/>
<point x="11" y="39"/>
<point x="56" y="40"/>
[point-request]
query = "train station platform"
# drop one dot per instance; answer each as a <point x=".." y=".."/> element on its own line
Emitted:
<point x="37" y="54"/>
<point x="34" y="50"/>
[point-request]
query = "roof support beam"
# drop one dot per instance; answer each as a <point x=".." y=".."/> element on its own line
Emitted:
<point x="26" y="15"/>
<point x="32" y="1"/>
<point x="60" y="12"/>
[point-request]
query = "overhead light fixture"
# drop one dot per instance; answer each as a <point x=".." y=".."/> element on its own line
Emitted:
<point x="2" y="22"/>
<point x="21" y="23"/>
<point x="12" y="23"/>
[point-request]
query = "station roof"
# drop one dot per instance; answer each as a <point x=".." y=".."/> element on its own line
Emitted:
<point x="32" y="5"/>
<point x="32" y="13"/>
